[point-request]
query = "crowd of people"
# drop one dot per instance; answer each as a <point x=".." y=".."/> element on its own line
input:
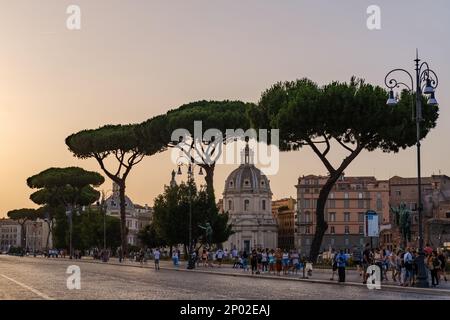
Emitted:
<point x="271" y="261"/>
<point x="401" y="265"/>
<point x="398" y="266"/>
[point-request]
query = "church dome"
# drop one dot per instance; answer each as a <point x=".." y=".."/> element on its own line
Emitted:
<point x="247" y="178"/>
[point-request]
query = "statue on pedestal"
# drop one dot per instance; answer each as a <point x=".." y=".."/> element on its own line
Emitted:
<point x="208" y="233"/>
<point x="403" y="221"/>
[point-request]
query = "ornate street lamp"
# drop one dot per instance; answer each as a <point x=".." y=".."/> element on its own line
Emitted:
<point x="190" y="172"/>
<point x="425" y="83"/>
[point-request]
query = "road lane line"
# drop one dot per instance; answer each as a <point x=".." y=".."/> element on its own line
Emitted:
<point x="40" y="294"/>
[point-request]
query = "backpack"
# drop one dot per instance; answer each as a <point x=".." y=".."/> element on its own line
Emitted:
<point x="436" y="263"/>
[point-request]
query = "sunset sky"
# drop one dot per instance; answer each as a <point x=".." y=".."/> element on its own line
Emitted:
<point x="135" y="59"/>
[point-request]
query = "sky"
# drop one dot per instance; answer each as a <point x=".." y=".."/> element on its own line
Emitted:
<point x="135" y="59"/>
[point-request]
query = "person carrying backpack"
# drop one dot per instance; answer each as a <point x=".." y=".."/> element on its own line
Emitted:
<point x="434" y="264"/>
<point x="443" y="260"/>
<point x="341" y="261"/>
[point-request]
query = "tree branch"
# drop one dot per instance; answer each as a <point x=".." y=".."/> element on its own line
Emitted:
<point x="120" y="159"/>
<point x="322" y="157"/>
<point x="102" y="166"/>
<point x="327" y="141"/>
<point x="350" y="158"/>
<point x="345" y="146"/>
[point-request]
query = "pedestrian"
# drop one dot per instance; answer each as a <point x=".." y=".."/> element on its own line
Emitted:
<point x="235" y="257"/>
<point x="278" y="261"/>
<point x="443" y="260"/>
<point x="271" y="262"/>
<point x="378" y="257"/>
<point x="245" y="261"/>
<point x="210" y="259"/>
<point x="219" y="257"/>
<point x="204" y="257"/>
<point x="334" y="267"/>
<point x="295" y="261"/>
<point x="254" y="261"/>
<point x="341" y="263"/>
<point x="156" y="255"/>
<point x="367" y="261"/>
<point x="357" y="259"/>
<point x="408" y="263"/>
<point x="264" y="257"/>
<point x="175" y="258"/>
<point x="434" y="264"/>
<point x="285" y="262"/>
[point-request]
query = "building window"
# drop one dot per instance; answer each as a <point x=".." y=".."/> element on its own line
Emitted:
<point x="448" y="215"/>
<point x="307" y="230"/>
<point x="307" y="217"/>
<point x="332" y="230"/>
<point x="379" y="204"/>
<point x="361" y="230"/>
<point x="263" y="183"/>
<point x="398" y="193"/>
<point x="346" y="201"/>
<point x="332" y="241"/>
<point x="346" y="216"/>
<point x="360" y="201"/>
<point x="231" y="184"/>
<point x="331" y="201"/>
<point x="230" y="205"/>
<point x="307" y="204"/>
<point x="360" y="216"/>
<point x="347" y="230"/>
<point x="332" y="216"/>
<point x="246" y="182"/>
<point x="246" y="204"/>
<point x="264" y="205"/>
<point x="346" y="241"/>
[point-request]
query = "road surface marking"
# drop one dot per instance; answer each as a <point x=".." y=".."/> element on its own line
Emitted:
<point x="40" y="294"/>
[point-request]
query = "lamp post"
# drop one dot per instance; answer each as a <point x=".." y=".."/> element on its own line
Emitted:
<point x="34" y="233"/>
<point x="190" y="172"/>
<point x="103" y="208"/>
<point x="426" y="81"/>
<point x="70" y="231"/>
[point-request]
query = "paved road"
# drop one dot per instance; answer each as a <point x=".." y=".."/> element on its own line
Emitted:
<point x="39" y="278"/>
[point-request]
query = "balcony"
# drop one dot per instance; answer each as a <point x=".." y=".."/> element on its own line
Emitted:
<point x="303" y="223"/>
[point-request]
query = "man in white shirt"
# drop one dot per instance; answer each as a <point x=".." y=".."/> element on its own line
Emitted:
<point x="157" y="255"/>
<point x="219" y="256"/>
<point x="408" y="262"/>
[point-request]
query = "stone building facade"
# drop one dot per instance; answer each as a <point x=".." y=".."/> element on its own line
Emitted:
<point x="348" y="201"/>
<point x="248" y="199"/>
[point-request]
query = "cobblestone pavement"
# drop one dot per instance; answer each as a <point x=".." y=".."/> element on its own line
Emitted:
<point x="40" y="278"/>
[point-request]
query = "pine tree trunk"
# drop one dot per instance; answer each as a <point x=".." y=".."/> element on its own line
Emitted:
<point x="123" y="219"/>
<point x="321" y="224"/>
<point x="209" y="179"/>
<point x="23" y="235"/>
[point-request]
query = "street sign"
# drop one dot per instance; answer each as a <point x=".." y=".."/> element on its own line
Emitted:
<point x="371" y="226"/>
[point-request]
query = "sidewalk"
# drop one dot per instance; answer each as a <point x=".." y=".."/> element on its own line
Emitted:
<point x="318" y="276"/>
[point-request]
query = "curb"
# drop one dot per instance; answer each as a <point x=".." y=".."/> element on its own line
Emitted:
<point x="387" y="287"/>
